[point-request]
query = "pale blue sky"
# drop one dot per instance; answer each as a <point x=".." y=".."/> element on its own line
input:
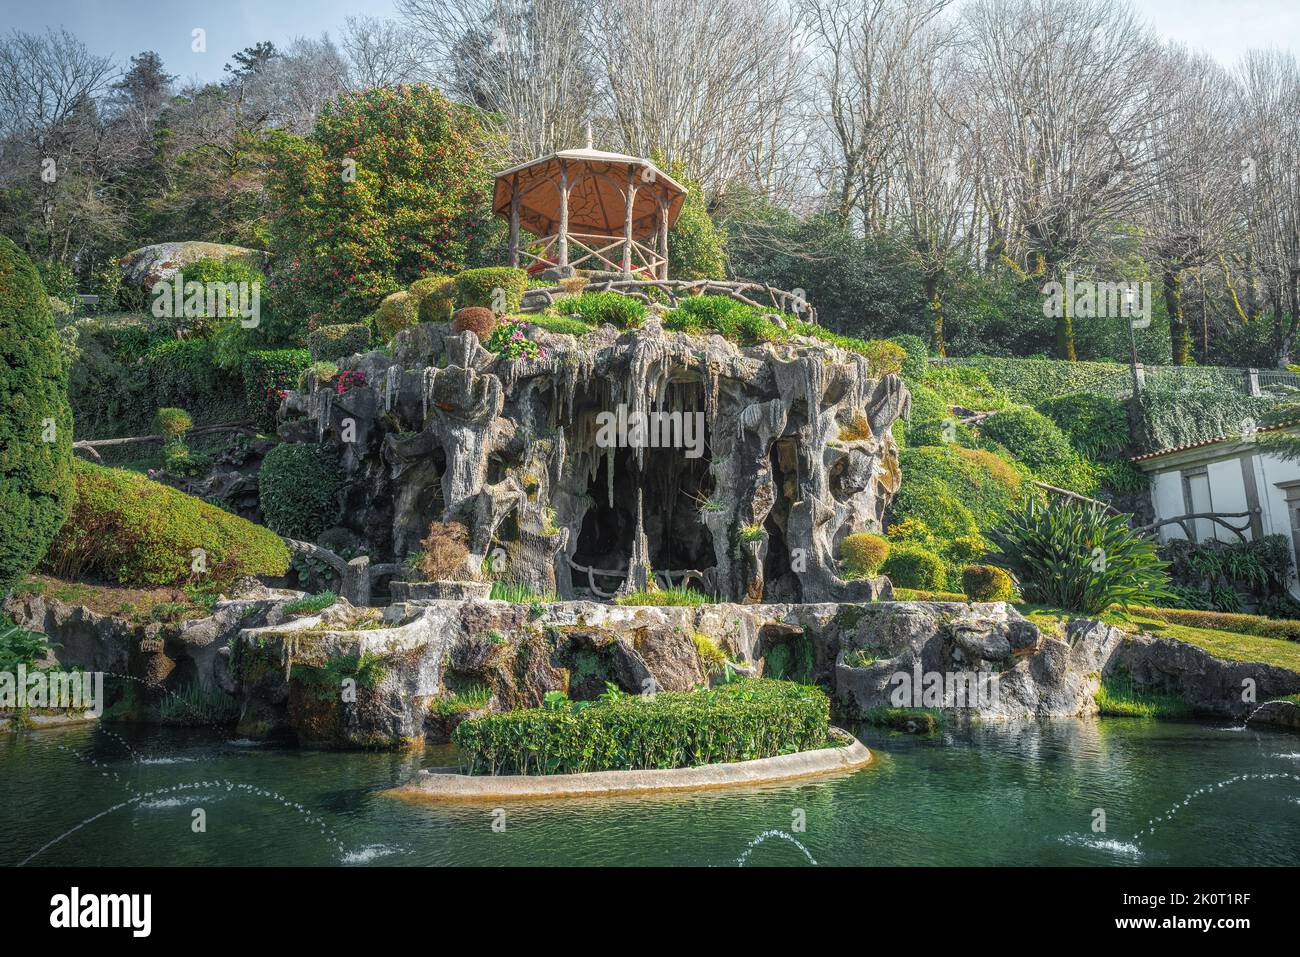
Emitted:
<point x="1225" y="28"/>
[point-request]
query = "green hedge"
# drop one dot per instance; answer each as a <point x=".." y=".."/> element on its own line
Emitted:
<point x="141" y="533"/>
<point x="327" y="343"/>
<point x="477" y="287"/>
<point x="1036" y="442"/>
<point x="297" y="485"/>
<point x="1283" y="628"/>
<point x="741" y="721"/>
<point x="266" y="375"/>
<point x="35" y="420"/>
<point x="1033" y="380"/>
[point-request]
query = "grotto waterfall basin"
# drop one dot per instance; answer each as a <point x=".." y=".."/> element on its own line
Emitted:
<point x="434" y="785"/>
<point x="1000" y="793"/>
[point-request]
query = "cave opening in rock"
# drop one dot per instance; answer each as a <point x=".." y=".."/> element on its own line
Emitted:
<point x="676" y="490"/>
<point x="780" y="582"/>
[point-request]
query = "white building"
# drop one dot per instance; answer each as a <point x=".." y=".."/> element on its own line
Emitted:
<point x="1230" y="477"/>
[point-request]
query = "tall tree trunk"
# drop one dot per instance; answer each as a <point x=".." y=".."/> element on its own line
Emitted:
<point x="932" y="296"/>
<point x="1180" y="340"/>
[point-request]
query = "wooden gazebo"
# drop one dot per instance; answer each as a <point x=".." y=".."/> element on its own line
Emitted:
<point x="590" y="209"/>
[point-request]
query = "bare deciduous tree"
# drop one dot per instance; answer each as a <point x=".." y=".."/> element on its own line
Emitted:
<point x="1068" y="91"/>
<point x="381" y="53"/>
<point x="526" y="61"/>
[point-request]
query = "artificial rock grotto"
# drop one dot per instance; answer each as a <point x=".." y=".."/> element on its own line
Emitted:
<point x="797" y="454"/>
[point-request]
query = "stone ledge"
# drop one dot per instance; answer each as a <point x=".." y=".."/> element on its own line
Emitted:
<point x="1278" y="714"/>
<point x="434" y="786"/>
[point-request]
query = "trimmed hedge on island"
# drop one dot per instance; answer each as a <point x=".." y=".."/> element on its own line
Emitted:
<point x="740" y="721"/>
<point x="139" y="533"/>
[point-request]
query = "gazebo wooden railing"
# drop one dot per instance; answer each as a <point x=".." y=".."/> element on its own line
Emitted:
<point x="636" y="258"/>
<point x="590" y="208"/>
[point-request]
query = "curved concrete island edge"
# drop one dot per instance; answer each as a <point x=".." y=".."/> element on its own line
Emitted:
<point x="437" y="786"/>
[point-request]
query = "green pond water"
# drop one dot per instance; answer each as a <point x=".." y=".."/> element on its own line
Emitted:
<point x="980" y="795"/>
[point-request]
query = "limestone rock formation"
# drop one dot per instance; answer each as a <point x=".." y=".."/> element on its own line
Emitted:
<point x="1209" y="684"/>
<point x="751" y="465"/>
<point x="348" y="677"/>
<point x="143" y="267"/>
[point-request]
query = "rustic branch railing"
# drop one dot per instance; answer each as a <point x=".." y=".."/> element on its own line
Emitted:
<point x="672" y="291"/>
<point x="1066" y="493"/>
<point x="89" y="446"/>
<point x="664" y="578"/>
<point x="356" y="575"/>
<point x="1219" y="518"/>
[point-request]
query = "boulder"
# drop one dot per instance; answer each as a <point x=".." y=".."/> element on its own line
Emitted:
<point x="143" y="267"/>
<point x="1208" y="684"/>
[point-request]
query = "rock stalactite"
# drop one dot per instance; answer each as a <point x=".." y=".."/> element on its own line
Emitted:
<point x="749" y="464"/>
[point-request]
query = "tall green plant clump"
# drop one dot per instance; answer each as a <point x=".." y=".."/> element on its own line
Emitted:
<point x="35" y="420"/>
<point x="741" y="721"/>
<point x="1079" y="557"/>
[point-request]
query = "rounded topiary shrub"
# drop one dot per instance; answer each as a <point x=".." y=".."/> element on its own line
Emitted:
<point x="436" y="296"/>
<point x="986" y="583"/>
<point x="172" y="424"/>
<point x="327" y="343"/>
<point x="911" y="566"/>
<point x="863" y="554"/>
<point x="35" y="420"/>
<point x="142" y="533"/>
<point x="474" y="319"/>
<point x="499" y="288"/>
<point x="297" y="490"/>
<point x="398" y="311"/>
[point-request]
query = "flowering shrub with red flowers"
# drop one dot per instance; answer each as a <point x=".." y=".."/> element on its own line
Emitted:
<point x="510" y="342"/>
<point x="348" y="379"/>
<point x="391" y="185"/>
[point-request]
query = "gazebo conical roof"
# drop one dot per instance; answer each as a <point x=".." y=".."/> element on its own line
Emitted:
<point x="598" y="181"/>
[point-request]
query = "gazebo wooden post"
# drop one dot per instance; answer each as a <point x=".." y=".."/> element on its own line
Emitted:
<point x="662" y="243"/>
<point x="514" y="221"/>
<point x="629" y="202"/>
<point x="562" y="240"/>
